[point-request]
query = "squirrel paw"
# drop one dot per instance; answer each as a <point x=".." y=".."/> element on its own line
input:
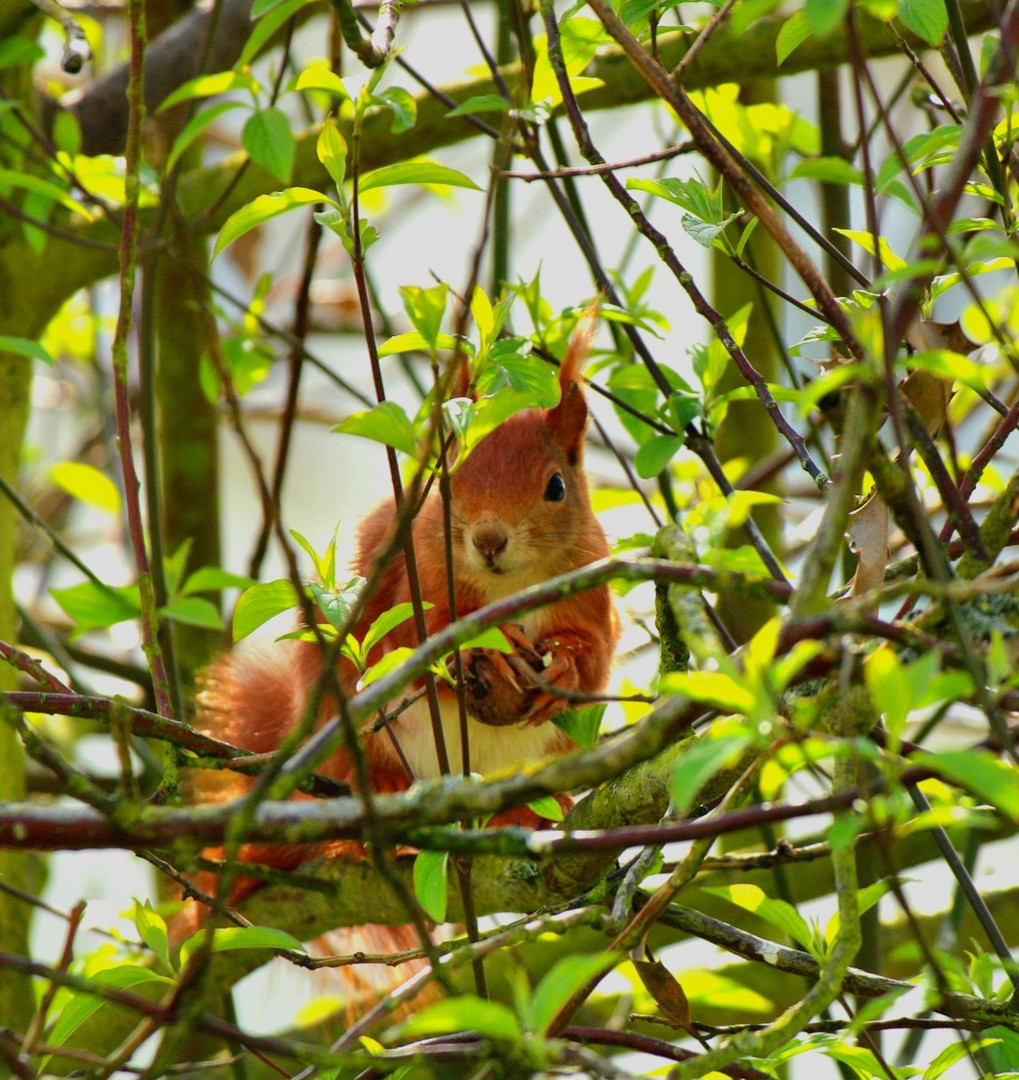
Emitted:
<point x="500" y="687"/>
<point x="558" y="672"/>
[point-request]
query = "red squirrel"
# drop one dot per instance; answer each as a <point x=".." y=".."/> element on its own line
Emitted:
<point x="521" y="513"/>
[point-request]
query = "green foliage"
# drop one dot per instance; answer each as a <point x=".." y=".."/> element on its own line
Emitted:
<point x="826" y="702"/>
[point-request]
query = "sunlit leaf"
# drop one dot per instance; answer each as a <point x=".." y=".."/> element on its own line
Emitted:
<point x="261" y="603"/>
<point x="262" y="209"/>
<point x="415" y="172"/>
<point x="430" y="883"/>
<point x="87" y="483"/>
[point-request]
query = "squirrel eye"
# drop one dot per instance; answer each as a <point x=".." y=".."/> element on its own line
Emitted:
<point x="555" y="490"/>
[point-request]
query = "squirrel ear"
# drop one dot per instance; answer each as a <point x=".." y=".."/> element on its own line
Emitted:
<point x="568" y="420"/>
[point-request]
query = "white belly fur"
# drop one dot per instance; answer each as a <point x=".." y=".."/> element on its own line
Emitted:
<point x="493" y="749"/>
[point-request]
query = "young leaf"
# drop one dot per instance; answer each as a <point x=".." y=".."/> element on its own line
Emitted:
<point x="926" y="18"/>
<point x="212" y="579"/>
<point x="318" y="77"/>
<point x="193" y="611"/>
<point x="489" y="1019"/>
<point x="273" y="17"/>
<point x="430" y="885"/>
<point x="45" y="188"/>
<point x="205" y="86"/>
<point x="270" y="142"/>
<point x="824" y="15"/>
<point x="401" y="104"/>
<point x="481" y="103"/>
<point x="389" y="662"/>
<point x="152" y="930"/>
<point x="336" y="605"/>
<point x="388" y="620"/>
<point x="777" y="912"/>
<point x="700" y="763"/>
<point x="262" y="209"/>
<point x="87" y="483"/>
<point x="562" y="981"/>
<point x="228" y="938"/>
<point x="82" y="1006"/>
<point x="795" y="31"/>
<point x="415" y="172"/>
<point x="332" y="151"/>
<point x="25" y="347"/>
<point x="547" y="807"/>
<point x="261" y="603"/>
<point x="94" y="606"/>
<point x="582" y="725"/>
<point x="979" y="772"/>
<point x="656" y="453"/>
<point x="195" y="127"/>
<point x="386" y="423"/>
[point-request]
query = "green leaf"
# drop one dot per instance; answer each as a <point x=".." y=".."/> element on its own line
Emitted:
<point x="547" y="807"/>
<point x="889" y="259"/>
<point x="401" y="104"/>
<point x="270" y="142"/>
<point x="795" y="31"/>
<point x="319" y="77"/>
<point x="45" y="188"/>
<point x="744" y="15"/>
<point x="778" y="913"/>
<point x="336" y="605"/>
<point x="87" y="483"/>
<point x="386" y="423"/>
<point x="562" y="981"/>
<point x="489" y="1019"/>
<point x="414" y="342"/>
<point x="704" y="760"/>
<point x="228" y="938"/>
<point x="205" y="86"/>
<point x="83" y="1005"/>
<point x="830" y="170"/>
<point x="195" y="127"/>
<point x="152" y="930"/>
<point x="264" y="208"/>
<point x="656" y="453"/>
<point x="16" y="50"/>
<point x="713" y="688"/>
<point x="706" y="232"/>
<point x="824" y="15"/>
<point x="93" y="606"/>
<point x="425" y="308"/>
<point x="266" y="28"/>
<point x="261" y="603"/>
<point x="332" y="151"/>
<point x="955" y="1052"/>
<point x="583" y="725"/>
<point x="415" y="172"/>
<point x="492" y="638"/>
<point x="430" y="884"/>
<point x="389" y="620"/>
<point x="212" y="579"/>
<point x="979" y="772"/>
<point x="193" y="611"/>
<point x="389" y="662"/>
<point x="926" y="18"/>
<point x="481" y="103"/>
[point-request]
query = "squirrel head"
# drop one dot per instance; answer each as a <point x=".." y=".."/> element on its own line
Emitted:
<point x="520" y="503"/>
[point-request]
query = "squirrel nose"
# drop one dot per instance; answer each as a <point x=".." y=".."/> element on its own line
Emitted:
<point x="490" y="539"/>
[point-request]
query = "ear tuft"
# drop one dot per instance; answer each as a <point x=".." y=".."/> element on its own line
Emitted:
<point x="568" y="420"/>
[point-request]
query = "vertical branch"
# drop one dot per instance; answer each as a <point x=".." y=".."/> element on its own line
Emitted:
<point x="128" y="272"/>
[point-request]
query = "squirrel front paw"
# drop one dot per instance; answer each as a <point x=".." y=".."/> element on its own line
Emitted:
<point x="495" y="694"/>
<point x="499" y="687"/>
